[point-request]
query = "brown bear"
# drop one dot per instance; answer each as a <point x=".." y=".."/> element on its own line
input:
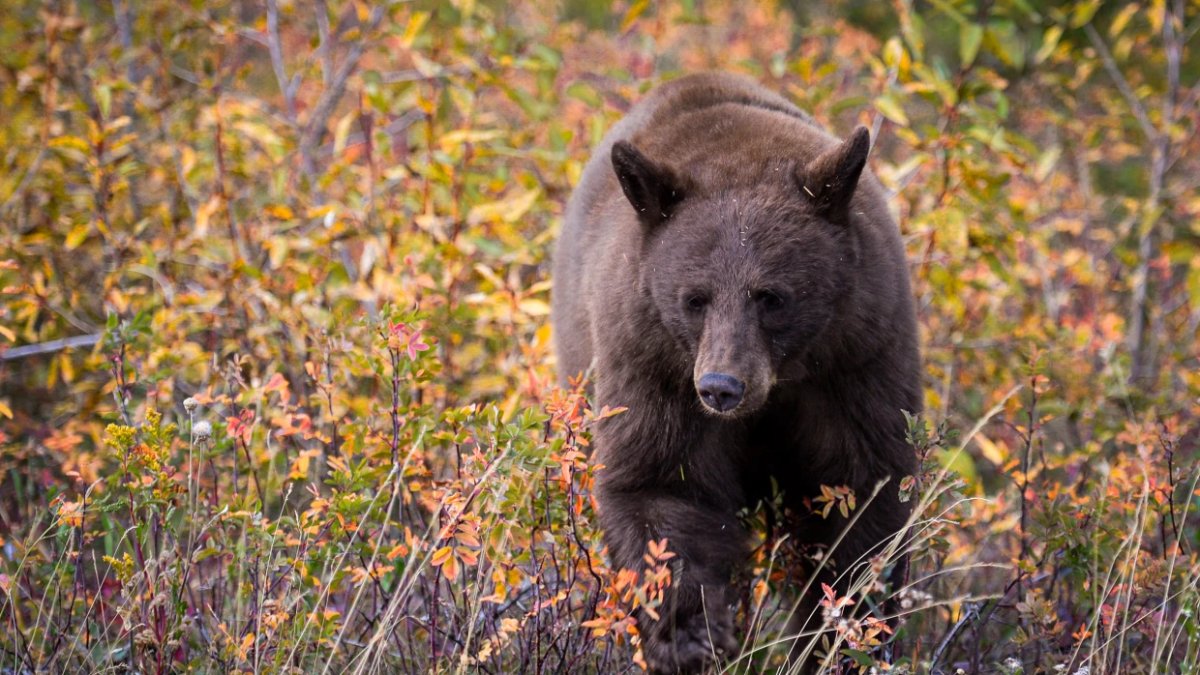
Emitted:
<point x="729" y="273"/>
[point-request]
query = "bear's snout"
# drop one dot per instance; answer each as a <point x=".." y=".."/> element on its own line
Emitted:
<point x="720" y="392"/>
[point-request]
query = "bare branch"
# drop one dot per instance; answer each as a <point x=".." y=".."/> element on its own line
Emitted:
<point x="414" y="75"/>
<point x="324" y="47"/>
<point x="276" y="49"/>
<point x="1173" y="46"/>
<point x="315" y="129"/>
<point x="50" y="347"/>
<point x="970" y="613"/>
<point x="1110" y="64"/>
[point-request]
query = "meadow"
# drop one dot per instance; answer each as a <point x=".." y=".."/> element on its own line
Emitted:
<point x="277" y="391"/>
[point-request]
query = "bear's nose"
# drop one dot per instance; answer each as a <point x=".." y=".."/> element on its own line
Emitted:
<point x="720" y="392"/>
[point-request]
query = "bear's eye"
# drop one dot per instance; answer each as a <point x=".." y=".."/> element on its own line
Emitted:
<point x="696" y="302"/>
<point x="768" y="299"/>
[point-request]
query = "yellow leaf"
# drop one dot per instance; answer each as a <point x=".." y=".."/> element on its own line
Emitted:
<point x="634" y="12"/>
<point x="535" y="307"/>
<point x="508" y="210"/>
<point x="415" y="24"/>
<point x="66" y="368"/>
<point x="489" y="274"/>
<point x="990" y="450"/>
<point x="341" y="132"/>
<point x="458" y="137"/>
<point x="280" y="212"/>
<point x="76" y="236"/>
<point x="299" y="468"/>
<point x="205" y="213"/>
<point x="5" y="410"/>
<point x="440" y="556"/>
<point x="888" y="107"/>
<point x="71" y="142"/>
<point x="1122" y="19"/>
<point x="244" y="648"/>
<point x="319" y="211"/>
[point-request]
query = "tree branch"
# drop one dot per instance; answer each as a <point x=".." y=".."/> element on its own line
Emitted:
<point x="324" y="46"/>
<point x="50" y="347"/>
<point x="1110" y="65"/>
<point x="276" y="50"/>
<point x="315" y="129"/>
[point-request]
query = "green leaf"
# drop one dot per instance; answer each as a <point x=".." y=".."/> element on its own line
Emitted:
<point x="584" y="92"/>
<point x="950" y="11"/>
<point x="860" y="657"/>
<point x="968" y="43"/>
<point x="913" y="31"/>
<point x="104" y="99"/>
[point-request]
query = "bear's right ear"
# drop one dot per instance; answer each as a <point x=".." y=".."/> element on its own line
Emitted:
<point x="653" y="190"/>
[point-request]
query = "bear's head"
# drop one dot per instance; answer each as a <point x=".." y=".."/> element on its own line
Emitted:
<point x="745" y="277"/>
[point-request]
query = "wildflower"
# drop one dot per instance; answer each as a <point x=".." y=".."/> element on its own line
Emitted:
<point x="910" y="597"/>
<point x="202" y="431"/>
<point x="404" y="338"/>
<point x="145" y="638"/>
<point x="119" y="436"/>
<point x="190" y="404"/>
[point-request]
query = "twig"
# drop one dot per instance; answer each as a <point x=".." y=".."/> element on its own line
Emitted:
<point x="970" y="612"/>
<point x="324" y="47"/>
<point x="1114" y="72"/>
<point x="49" y="347"/>
<point x="276" y="50"/>
<point x="314" y="130"/>
<point x="414" y="75"/>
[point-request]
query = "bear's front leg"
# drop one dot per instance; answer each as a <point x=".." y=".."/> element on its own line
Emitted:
<point x="695" y="627"/>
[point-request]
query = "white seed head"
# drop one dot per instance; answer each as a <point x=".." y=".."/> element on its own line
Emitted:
<point x="202" y="431"/>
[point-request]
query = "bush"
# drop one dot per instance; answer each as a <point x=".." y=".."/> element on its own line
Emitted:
<point x="277" y="387"/>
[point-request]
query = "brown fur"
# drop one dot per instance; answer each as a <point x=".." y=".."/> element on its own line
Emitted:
<point x="717" y="229"/>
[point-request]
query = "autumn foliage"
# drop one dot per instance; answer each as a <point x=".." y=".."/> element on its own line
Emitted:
<point x="276" y="391"/>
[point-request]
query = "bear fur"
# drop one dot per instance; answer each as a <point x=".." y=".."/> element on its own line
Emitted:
<point x="729" y="273"/>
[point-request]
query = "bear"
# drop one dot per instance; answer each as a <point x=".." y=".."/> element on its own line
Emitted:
<point x="728" y="273"/>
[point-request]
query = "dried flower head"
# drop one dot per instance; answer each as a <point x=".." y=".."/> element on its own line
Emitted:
<point x="202" y="431"/>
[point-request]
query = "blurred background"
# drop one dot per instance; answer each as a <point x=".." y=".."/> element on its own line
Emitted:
<point x="276" y="390"/>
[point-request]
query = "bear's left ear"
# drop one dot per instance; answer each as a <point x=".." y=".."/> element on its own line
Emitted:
<point x="652" y="189"/>
<point x="829" y="180"/>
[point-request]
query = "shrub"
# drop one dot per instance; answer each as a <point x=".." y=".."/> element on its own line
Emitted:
<point x="277" y="388"/>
